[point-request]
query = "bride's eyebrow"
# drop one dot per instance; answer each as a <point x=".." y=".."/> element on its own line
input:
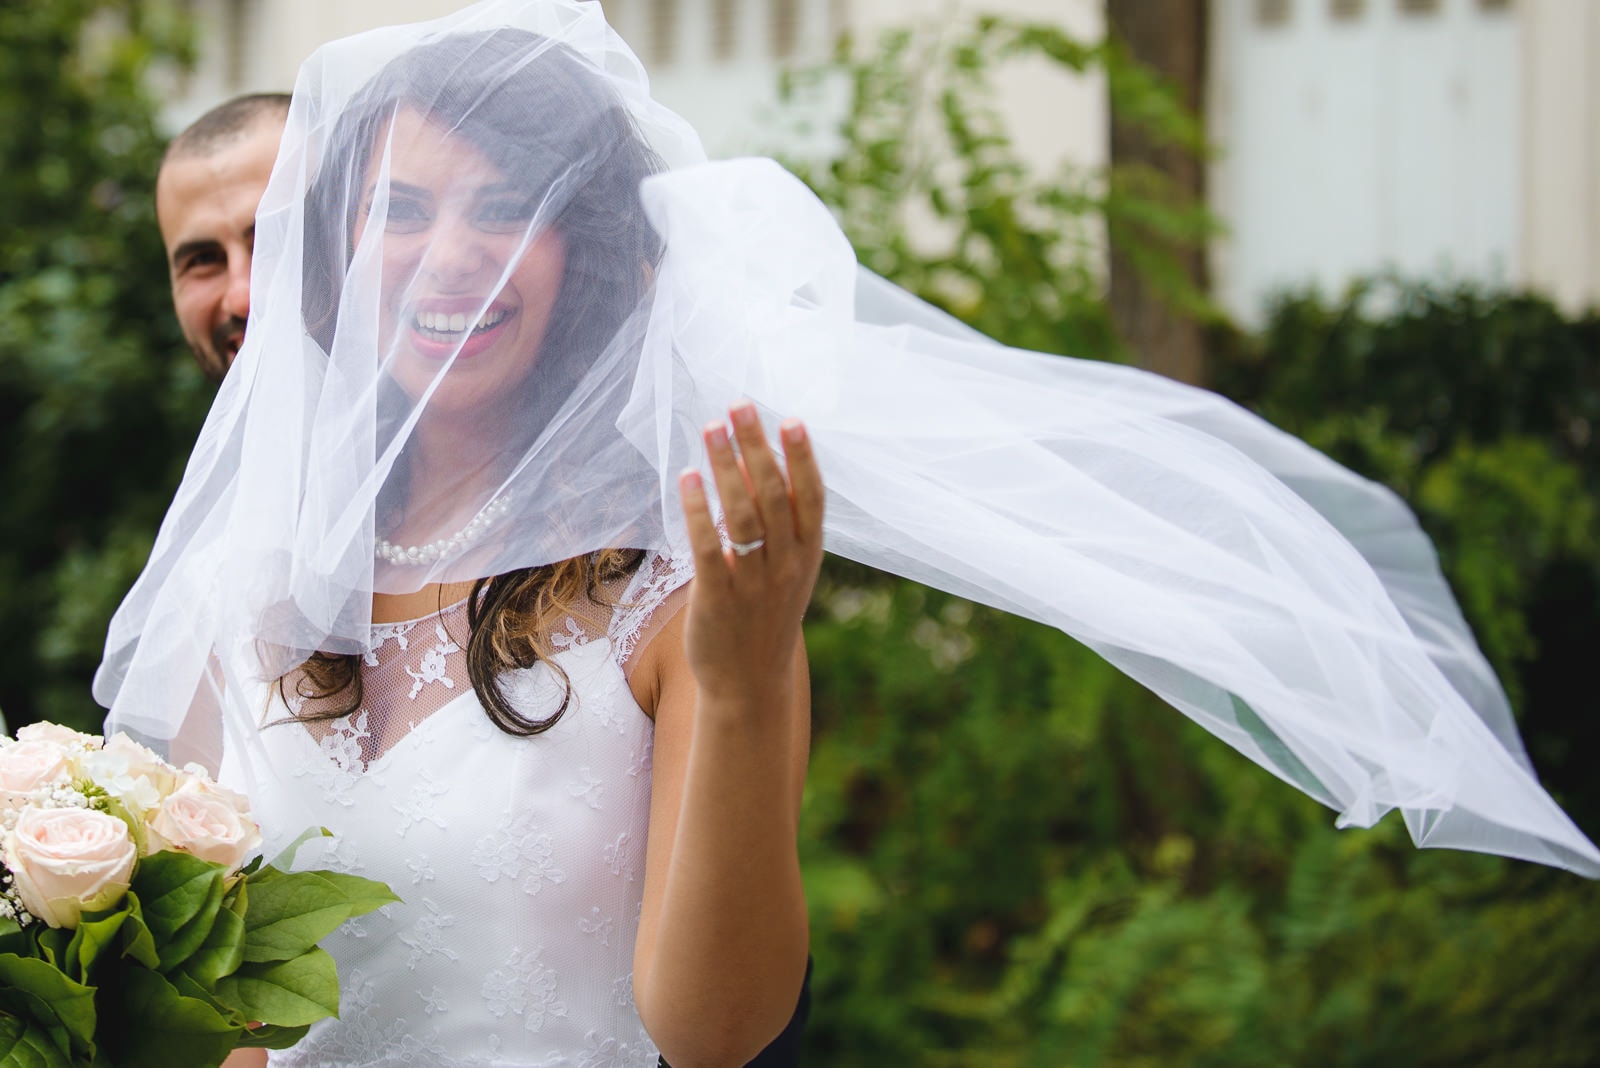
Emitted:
<point x="405" y="189"/>
<point x="496" y="189"/>
<point x="395" y="189"/>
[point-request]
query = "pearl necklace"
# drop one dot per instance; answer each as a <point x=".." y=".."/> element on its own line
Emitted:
<point x="433" y="551"/>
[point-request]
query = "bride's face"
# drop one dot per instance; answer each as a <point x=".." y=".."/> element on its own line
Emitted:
<point x="464" y="286"/>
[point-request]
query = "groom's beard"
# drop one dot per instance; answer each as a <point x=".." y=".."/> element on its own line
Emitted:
<point x="217" y="354"/>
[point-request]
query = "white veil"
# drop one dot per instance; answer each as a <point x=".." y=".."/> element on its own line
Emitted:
<point x="1292" y="608"/>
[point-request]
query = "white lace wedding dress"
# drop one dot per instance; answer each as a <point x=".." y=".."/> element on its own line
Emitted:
<point x="520" y="860"/>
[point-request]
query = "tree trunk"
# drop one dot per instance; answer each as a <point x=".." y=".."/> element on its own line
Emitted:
<point x="1169" y="36"/>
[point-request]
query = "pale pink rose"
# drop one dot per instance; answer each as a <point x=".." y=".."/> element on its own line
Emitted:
<point x="26" y="766"/>
<point x="55" y="732"/>
<point x="133" y="774"/>
<point x="207" y="821"/>
<point x="64" y="861"/>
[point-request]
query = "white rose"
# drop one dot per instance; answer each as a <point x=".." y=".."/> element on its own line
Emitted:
<point x="64" y="861"/>
<point x="26" y="766"/>
<point x="133" y="774"/>
<point x="55" y="732"/>
<point x="207" y="821"/>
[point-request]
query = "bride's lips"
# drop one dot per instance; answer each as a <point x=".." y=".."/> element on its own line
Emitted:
<point x="459" y="327"/>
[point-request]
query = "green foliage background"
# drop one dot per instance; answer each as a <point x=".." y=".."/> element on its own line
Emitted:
<point x="97" y="398"/>
<point x="1014" y="856"/>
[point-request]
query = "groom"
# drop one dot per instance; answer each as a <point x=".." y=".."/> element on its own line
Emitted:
<point x="207" y="191"/>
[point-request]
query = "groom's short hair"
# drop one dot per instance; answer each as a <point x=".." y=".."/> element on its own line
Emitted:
<point x="226" y="123"/>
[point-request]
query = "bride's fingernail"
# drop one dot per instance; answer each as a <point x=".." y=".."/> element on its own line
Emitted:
<point x="716" y="434"/>
<point x="744" y="413"/>
<point x="794" y="432"/>
<point x="689" y="479"/>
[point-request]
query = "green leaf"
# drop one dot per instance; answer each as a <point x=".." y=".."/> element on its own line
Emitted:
<point x="55" y="944"/>
<point x="285" y="858"/>
<point x="221" y="953"/>
<point x="290" y="913"/>
<point x="62" y="1006"/>
<point x="364" y="895"/>
<point x="25" y="1044"/>
<point x="180" y="896"/>
<point x="290" y="993"/>
<point x="153" y="1025"/>
<point x="187" y="987"/>
<point x="96" y="931"/>
<point x="137" y="940"/>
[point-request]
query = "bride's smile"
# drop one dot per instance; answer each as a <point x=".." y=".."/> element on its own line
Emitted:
<point x="459" y="327"/>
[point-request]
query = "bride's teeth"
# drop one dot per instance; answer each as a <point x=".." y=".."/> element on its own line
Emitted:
<point x="456" y="323"/>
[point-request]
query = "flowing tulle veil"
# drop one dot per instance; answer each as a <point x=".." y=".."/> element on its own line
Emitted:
<point x="1292" y="608"/>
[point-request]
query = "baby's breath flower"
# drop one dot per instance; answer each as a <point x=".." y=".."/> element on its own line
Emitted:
<point x="11" y="906"/>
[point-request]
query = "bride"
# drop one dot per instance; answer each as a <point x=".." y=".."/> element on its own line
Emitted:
<point x="488" y="561"/>
<point x="542" y="690"/>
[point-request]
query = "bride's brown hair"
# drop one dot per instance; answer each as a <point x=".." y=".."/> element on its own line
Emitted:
<point x="510" y="618"/>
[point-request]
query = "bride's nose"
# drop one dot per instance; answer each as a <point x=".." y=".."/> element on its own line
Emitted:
<point x="455" y="251"/>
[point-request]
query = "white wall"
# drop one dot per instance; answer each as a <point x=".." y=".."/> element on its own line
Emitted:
<point x="1560" y="240"/>
<point x="1387" y="141"/>
<point x="726" y="99"/>
<point x="730" y="100"/>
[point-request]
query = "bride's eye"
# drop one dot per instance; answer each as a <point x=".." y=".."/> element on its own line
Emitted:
<point x="506" y="214"/>
<point x="406" y="215"/>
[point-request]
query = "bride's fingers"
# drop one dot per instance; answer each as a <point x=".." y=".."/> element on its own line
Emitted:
<point x="806" y="491"/>
<point x="766" y="478"/>
<point x="704" y="540"/>
<point x="739" y="512"/>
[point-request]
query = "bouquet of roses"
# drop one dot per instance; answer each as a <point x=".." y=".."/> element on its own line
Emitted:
<point x="137" y="925"/>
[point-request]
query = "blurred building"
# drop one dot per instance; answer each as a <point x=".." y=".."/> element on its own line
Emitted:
<point x="1453" y="139"/>
<point x="1436" y="138"/>
<point x="714" y="61"/>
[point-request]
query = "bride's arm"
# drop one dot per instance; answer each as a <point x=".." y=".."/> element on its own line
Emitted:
<point x="723" y="935"/>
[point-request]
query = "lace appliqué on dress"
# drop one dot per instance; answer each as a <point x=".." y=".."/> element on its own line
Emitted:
<point x="360" y="1037"/>
<point x="609" y="1052"/>
<point x="433" y="668"/>
<point x="656" y="579"/>
<point x="525" y="987"/>
<point x="521" y="851"/>
<point x="403" y="682"/>
<point x="342" y="747"/>
<point x="426" y="937"/>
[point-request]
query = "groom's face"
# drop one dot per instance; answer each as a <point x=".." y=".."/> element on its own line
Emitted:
<point x="206" y="206"/>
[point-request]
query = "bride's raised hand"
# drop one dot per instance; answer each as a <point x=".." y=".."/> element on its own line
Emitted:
<point x="751" y="591"/>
